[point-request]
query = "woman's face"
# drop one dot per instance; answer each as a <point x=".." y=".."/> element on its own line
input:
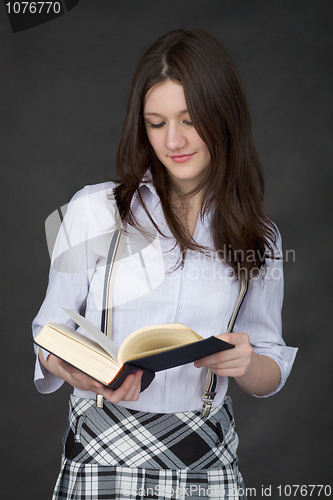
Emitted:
<point x="173" y="137"/>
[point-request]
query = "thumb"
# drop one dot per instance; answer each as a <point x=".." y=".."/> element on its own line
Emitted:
<point x="227" y="337"/>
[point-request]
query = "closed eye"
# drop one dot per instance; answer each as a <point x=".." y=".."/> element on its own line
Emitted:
<point x="156" y="125"/>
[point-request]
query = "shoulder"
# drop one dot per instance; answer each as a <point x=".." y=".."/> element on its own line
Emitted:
<point x="275" y="244"/>
<point x="92" y="208"/>
<point x="96" y="196"/>
<point x="95" y="193"/>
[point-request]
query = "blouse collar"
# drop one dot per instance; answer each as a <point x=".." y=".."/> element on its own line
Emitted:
<point x="147" y="183"/>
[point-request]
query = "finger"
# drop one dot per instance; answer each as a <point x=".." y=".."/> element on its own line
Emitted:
<point x="120" y="393"/>
<point x="230" y="372"/>
<point x="135" y="387"/>
<point x="134" y="391"/>
<point x="96" y="384"/>
<point x="228" y="365"/>
<point x="236" y="338"/>
<point x="226" y="337"/>
<point x="137" y="393"/>
<point x="77" y="378"/>
<point x="241" y="351"/>
<point x="214" y="359"/>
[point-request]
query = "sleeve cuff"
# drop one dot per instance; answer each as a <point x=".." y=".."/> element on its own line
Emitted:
<point x="284" y="356"/>
<point x="45" y="381"/>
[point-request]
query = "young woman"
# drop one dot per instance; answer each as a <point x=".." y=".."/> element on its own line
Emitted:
<point x="190" y="203"/>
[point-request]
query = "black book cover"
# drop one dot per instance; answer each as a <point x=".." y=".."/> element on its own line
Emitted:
<point x="181" y="355"/>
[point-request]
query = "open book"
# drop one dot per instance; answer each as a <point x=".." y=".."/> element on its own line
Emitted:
<point x="150" y="349"/>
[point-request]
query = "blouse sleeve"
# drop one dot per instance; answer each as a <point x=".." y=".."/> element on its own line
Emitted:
<point x="68" y="280"/>
<point x="260" y="316"/>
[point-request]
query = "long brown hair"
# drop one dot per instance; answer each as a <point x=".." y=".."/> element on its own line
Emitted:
<point x="234" y="184"/>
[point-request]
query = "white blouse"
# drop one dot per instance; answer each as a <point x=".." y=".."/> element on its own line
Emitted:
<point x="151" y="288"/>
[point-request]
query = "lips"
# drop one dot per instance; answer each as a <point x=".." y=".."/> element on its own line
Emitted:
<point x="182" y="158"/>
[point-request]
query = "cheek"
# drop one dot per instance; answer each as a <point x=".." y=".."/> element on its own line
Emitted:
<point x="196" y="139"/>
<point x="207" y="153"/>
<point x="154" y="141"/>
<point x="204" y="149"/>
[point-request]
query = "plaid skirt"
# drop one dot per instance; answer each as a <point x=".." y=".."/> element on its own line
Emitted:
<point x="117" y="453"/>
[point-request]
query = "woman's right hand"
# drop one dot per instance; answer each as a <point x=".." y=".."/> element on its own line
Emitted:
<point x="128" y="391"/>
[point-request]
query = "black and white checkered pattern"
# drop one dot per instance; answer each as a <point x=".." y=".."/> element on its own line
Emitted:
<point x="116" y="453"/>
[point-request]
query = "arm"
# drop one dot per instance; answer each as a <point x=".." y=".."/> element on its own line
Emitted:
<point x="260" y="362"/>
<point x="74" y="259"/>
<point x="254" y="373"/>
<point x="128" y="391"/>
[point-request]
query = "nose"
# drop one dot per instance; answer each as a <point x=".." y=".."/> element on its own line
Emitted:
<point x="175" y="138"/>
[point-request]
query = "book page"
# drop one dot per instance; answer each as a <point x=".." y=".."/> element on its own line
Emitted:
<point x="78" y="350"/>
<point x="78" y="337"/>
<point x="156" y="338"/>
<point x="94" y="333"/>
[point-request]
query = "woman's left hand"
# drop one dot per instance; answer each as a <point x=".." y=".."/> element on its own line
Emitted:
<point x="231" y="362"/>
<point x="254" y="373"/>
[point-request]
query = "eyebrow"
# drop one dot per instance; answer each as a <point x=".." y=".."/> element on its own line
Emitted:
<point x="158" y="114"/>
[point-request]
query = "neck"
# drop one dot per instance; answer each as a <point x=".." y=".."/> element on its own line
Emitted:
<point x="187" y="209"/>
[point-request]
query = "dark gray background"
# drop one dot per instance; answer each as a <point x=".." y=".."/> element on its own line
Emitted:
<point x="64" y="86"/>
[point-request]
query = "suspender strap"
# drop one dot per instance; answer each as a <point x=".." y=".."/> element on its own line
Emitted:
<point x="209" y="391"/>
<point x="113" y="258"/>
<point x="115" y="252"/>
